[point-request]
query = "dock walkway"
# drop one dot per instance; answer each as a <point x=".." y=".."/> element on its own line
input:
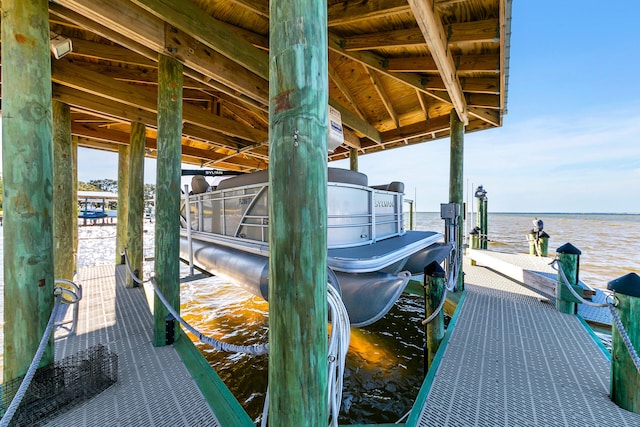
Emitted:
<point x="154" y="387"/>
<point x="513" y="360"/>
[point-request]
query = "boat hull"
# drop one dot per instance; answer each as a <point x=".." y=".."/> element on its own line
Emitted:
<point x="368" y="286"/>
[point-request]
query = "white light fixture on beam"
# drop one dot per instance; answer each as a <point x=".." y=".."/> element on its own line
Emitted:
<point x="60" y="46"/>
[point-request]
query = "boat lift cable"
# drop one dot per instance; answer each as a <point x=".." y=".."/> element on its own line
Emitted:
<point x="609" y="304"/>
<point x="337" y="352"/>
<point x="62" y="296"/>
<point x="256" y="349"/>
<point x="337" y="349"/>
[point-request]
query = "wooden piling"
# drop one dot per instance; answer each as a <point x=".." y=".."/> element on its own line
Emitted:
<point x="136" y="200"/>
<point x="569" y="259"/>
<point x="123" y="201"/>
<point x="456" y="183"/>
<point x="27" y="173"/>
<point x="298" y="92"/>
<point x="65" y="217"/>
<point x="74" y="174"/>
<point x="167" y="245"/>
<point x="482" y="222"/>
<point x="434" y="277"/>
<point x="625" y="378"/>
<point x="353" y="159"/>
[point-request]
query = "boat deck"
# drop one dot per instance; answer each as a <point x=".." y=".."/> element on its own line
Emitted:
<point x="513" y="360"/>
<point x="154" y="387"/>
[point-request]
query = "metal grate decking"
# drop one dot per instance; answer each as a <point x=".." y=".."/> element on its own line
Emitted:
<point x="154" y="387"/>
<point x="513" y="360"/>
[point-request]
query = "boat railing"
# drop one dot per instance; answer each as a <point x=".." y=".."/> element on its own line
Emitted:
<point x="357" y="215"/>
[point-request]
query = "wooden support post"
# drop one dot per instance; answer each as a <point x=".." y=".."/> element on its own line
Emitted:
<point x="136" y="200"/>
<point x="167" y="245"/>
<point x="411" y="215"/>
<point x="569" y="259"/>
<point x="27" y="173"/>
<point x="65" y="217"/>
<point x="484" y="226"/>
<point x="456" y="184"/>
<point x="298" y="99"/>
<point x="625" y="378"/>
<point x="434" y="277"/>
<point x="74" y="155"/>
<point x="353" y="159"/>
<point x="123" y="201"/>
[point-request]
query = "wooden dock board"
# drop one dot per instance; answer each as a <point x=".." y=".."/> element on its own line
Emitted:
<point x="513" y="359"/>
<point x="154" y="387"/>
<point x="537" y="273"/>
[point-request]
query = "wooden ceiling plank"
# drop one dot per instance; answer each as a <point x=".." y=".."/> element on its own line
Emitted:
<point x="378" y="63"/>
<point x="485" y="31"/>
<point x="350" y="118"/>
<point x="259" y="7"/>
<point x="416" y="130"/>
<point x="482" y="100"/>
<point x="377" y="84"/>
<point x="67" y="74"/>
<point x="107" y="16"/>
<point x="122" y="17"/>
<point x="215" y="34"/>
<point x="490" y="116"/>
<point x="351" y="139"/>
<point x="430" y="23"/>
<point x="342" y="87"/>
<point x="487" y="63"/>
<point x="209" y="62"/>
<point x="349" y="12"/>
<point x="109" y="53"/>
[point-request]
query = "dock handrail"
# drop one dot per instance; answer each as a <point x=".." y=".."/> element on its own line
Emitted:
<point x="612" y="308"/>
<point x="62" y="295"/>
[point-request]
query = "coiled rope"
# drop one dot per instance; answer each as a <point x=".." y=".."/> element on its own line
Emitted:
<point x="614" y="314"/>
<point x="58" y="292"/>
<point x="337" y="352"/>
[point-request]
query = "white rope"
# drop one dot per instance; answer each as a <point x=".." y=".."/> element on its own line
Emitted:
<point x="625" y="337"/>
<point x="559" y="269"/>
<point x="450" y="285"/>
<point x="256" y="349"/>
<point x="337" y="352"/>
<point x="24" y="386"/>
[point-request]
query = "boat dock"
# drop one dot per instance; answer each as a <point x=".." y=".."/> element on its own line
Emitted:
<point x="510" y="359"/>
<point x="154" y="386"/>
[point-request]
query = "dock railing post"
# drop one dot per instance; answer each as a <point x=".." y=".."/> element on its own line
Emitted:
<point x="569" y="259"/>
<point x="625" y="378"/>
<point x="433" y="289"/>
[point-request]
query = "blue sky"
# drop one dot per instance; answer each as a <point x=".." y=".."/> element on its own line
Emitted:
<point x="570" y="141"/>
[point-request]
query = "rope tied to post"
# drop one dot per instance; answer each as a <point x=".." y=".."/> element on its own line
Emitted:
<point x="62" y="296"/>
<point x="611" y="305"/>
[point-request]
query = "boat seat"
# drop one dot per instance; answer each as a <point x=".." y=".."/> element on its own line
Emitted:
<point x="199" y="184"/>
<point x="395" y="186"/>
<point x="261" y="177"/>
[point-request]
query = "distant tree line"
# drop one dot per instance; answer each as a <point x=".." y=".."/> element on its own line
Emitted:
<point x="100" y="185"/>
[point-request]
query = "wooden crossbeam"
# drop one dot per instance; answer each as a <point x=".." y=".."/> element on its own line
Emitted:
<point x="430" y="23"/>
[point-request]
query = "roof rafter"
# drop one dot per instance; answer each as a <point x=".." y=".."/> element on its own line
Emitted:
<point x="430" y="23"/>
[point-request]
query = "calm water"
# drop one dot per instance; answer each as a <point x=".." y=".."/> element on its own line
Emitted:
<point x="385" y="365"/>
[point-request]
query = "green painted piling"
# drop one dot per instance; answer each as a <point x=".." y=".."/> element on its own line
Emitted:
<point x="167" y="245"/>
<point x="298" y="92"/>
<point x="65" y="217"/>
<point x="353" y="159"/>
<point x="569" y="259"/>
<point x="411" y="215"/>
<point x="123" y="201"/>
<point x="625" y="378"/>
<point x="456" y="183"/>
<point x="434" y="277"/>
<point x="482" y="222"/>
<point x="136" y="200"/>
<point x="27" y="174"/>
<point x="74" y="173"/>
